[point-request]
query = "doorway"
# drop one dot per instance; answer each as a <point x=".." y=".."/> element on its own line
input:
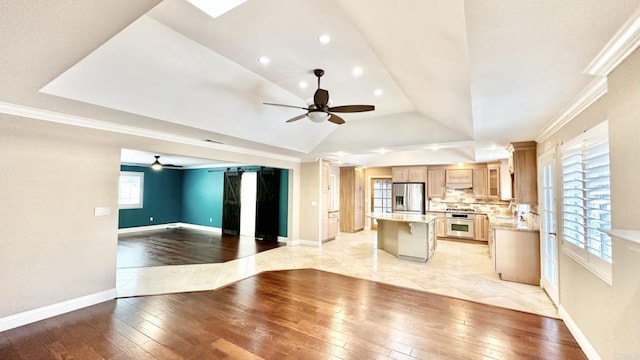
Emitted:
<point x="380" y="197"/>
<point x="548" y="236"/>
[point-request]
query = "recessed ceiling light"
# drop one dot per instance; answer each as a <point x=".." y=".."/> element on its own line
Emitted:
<point x="357" y="71"/>
<point x="434" y="147"/>
<point x="382" y="151"/>
<point x="378" y="92"/>
<point x="324" y="39"/>
<point x="263" y="60"/>
<point x="493" y="146"/>
<point x="303" y="84"/>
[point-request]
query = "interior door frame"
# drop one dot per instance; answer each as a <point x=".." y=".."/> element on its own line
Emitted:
<point x="549" y="158"/>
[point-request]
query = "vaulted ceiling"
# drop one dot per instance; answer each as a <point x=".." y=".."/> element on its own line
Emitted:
<point x="456" y="80"/>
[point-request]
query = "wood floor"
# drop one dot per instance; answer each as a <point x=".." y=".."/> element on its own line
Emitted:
<point x="294" y="314"/>
<point x="181" y="246"/>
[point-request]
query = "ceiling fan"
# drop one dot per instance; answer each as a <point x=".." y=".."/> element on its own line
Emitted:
<point x="156" y="165"/>
<point x="320" y="110"/>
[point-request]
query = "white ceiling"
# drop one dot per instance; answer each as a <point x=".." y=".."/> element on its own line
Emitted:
<point x="460" y="79"/>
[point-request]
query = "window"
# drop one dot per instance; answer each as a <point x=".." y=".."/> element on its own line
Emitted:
<point x="586" y="200"/>
<point x="381" y="196"/>
<point x="130" y="190"/>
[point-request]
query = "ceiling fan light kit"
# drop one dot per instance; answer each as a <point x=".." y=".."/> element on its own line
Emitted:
<point x="156" y="165"/>
<point x="321" y="111"/>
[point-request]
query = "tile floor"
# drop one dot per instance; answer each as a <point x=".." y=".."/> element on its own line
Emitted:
<point x="458" y="269"/>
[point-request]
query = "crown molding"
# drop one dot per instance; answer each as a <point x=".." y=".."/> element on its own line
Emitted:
<point x="621" y="45"/>
<point x="67" y="119"/>
<point x="592" y="92"/>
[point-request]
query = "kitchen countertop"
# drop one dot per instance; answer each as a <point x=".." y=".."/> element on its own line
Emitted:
<point x="402" y="217"/>
<point x="503" y="223"/>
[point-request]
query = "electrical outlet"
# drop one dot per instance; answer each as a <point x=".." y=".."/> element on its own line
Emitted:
<point x="210" y="219"/>
<point x="150" y="218"/>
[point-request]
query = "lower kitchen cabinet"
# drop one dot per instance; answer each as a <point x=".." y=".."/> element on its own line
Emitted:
<point x="440" y="226"/>
<point x="332" y="230"/>
<point x="481" y="227"/>
<point x="517" y="255"/>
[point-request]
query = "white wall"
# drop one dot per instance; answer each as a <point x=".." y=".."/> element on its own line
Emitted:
<point x="52" y="247"/>
<point x="609" y="316"/>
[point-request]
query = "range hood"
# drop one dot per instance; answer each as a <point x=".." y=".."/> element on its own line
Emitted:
<point x="459" y="179"/>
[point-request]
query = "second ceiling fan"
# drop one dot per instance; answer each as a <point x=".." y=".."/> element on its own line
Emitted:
<point x="320" y="111"/>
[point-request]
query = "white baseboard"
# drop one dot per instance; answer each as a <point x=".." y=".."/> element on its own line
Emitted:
<point x="170" y="225"/>
<point x="283" y="239"/>
<point x="144" y="228"/>
<point x="582" y="340"/>
<point x="45" y="312"/>
<point x="200" y="227"/>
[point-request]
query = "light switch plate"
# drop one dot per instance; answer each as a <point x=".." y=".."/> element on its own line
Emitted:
<point x="102" y="211"/>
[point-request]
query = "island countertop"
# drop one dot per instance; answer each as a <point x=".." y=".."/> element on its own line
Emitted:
<point x="402" y="217"/>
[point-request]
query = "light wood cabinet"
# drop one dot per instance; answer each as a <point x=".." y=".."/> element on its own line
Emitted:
<point x="493" y="179"/>
<point x="409" y="173"/>
<point x="436" y="183"/>
<point x="459" y="177"/>
<point x="517" y="255"/>
<point x="480" y="183"/>
<point x="440" y="228"/>
<point x="491" y="241"/>
<point x="481" y="227"/>
<point x="351" y="199"/>
<point x="524" y="164"/>
<point x="332" y="228"/>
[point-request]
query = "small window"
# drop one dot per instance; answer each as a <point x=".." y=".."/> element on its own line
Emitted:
<point x="130" y="190"/>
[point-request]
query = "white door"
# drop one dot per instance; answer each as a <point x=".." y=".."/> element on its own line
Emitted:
<point x="548" y="239"/>
<point x="248" y="186"/>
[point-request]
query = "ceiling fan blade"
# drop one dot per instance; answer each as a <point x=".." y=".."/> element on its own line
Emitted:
<point x="352" y="108"/>
<point x="336" y="119"/>
<point x="289" y="106"/>
<point x="321" y="98"/>
<point x="297" y="118"/>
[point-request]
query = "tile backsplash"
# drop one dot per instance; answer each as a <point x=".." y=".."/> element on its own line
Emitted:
<point x="465" y="198"/>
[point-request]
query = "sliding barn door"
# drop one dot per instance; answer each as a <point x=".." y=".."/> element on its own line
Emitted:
<point x="268" y="204"/>
<point x="231" y="203"/>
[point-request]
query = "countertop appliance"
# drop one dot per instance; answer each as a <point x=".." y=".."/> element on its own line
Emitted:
<point x="459" y="222"/>
<point x="408" y="198"/>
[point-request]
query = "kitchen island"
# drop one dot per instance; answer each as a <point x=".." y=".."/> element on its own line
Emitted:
<point x="407" y="236"/>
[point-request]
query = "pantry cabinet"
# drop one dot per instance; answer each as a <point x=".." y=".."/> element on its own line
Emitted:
<point x="351" y="199"/>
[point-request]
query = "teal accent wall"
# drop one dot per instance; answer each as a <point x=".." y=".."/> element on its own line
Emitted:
<point x="191" y="196"/>
<point x="161" y="199"/>
<point x="202" y="195"/>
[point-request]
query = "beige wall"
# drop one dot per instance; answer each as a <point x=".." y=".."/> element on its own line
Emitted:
<point x="609" y="316"/>
<point x="52" y="176"/>
<point x="310" y="173"/>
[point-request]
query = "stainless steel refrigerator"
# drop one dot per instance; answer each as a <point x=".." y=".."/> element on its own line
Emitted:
<point x="408" y="198"/>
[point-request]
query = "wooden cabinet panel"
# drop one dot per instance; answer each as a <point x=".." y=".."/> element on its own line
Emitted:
<point x="493" y="180"/>
<point x="435" y="183"/>
<point x="517" y="255"/>
<point x="351" y="199"/>
<point x="480" y="226"/>
<point x="409" y="174"/>
<point x="456" y="177"/>
<point x="525" y="183"/>
<point x="439" y="223"/>
<point x="480" y="183"/>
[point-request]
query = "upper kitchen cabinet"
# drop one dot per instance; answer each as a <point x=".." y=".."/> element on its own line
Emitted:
<point x="409" y="173"/>
<point x="436" y="183"/>
<point x="524" y="172"/>
<point x="480" y="183"/>
<point x="459" y="178"/>
<point x="493" y="179"/>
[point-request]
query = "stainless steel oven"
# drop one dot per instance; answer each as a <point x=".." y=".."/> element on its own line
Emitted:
<point x="460" y="223"/>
